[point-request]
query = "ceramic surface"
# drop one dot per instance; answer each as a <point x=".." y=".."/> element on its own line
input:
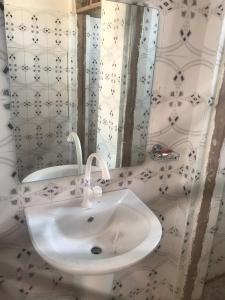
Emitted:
<point x="181" y="103"/>
<point x="54" y="172"/>
<point x="122" y="228"/>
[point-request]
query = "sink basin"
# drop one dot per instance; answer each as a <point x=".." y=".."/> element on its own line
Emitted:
<point x="54" y="172"/>
<point x="117" y="232"/>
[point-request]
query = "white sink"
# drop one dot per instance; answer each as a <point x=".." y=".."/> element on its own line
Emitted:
<point x="119" y="224"/>
<point x="116" y="232"/>
<point x="54" y="172"/>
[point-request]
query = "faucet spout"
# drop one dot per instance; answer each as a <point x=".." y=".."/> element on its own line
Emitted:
<point x="73" y="138"/>
<point x="102" y="165"/>
<point x="96" y="191"/>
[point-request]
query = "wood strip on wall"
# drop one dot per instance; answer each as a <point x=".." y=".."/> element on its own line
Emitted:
<point x="218" y="137"/>
<point x="89" y="7"/>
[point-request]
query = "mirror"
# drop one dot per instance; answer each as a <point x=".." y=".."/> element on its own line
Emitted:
<point x="75" y="92"/>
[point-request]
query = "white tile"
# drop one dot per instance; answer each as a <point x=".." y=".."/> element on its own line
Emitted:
<point x="14" y="26"/>
<point x="34" y="37"/>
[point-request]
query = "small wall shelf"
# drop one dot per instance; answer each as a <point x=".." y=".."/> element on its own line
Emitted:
<point x="85" y="6"/>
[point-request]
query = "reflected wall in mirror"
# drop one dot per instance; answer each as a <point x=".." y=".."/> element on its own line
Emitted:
<point x="42" y="67"/>
<point x="89" y="74"/>
<point x="115" y="81"/>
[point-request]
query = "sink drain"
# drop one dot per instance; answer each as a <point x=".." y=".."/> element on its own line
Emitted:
<point x="90" y="220"/>
<point x="96" y="250"/>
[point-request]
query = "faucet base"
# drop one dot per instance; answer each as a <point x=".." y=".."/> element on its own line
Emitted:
<point x="86" y="203"/>
<point x="90" y="193"/>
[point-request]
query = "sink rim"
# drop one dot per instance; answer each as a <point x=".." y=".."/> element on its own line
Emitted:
<point x="109" y="264"/>
<point x="48" y="173"/>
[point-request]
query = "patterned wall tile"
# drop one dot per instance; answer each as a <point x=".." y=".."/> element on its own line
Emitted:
<point x="178" y="94"/>
<point x="215" y="258"/>
<point x="7" y="150"/>
<point x="38" y="68"/>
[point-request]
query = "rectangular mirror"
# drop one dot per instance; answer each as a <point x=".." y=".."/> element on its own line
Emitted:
<point x="79" y="83"/>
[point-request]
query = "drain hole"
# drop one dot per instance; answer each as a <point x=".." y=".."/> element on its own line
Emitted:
<point x="90" y="220"/>
<point x="96" y="250"/>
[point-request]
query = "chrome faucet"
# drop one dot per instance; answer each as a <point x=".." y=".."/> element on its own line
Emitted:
<point x="73" y="138"/>
<point x="162" y="153"/>
<point x="95" y="191"/>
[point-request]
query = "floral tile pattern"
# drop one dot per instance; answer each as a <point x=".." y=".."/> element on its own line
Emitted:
<point x="7" y="154"/>
<point x="213" y="258"/>
<point x="37" y="46"/>
<point x="186" y="57"/>
<point x="117" y="37"/>
<point x="145" y="76"/>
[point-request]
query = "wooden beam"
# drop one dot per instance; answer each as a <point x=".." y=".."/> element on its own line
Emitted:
<point x="207" y="197"/>
<point x="89" y="7"/>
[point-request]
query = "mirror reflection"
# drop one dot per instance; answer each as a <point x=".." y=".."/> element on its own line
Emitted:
<point x="81" y="82"/>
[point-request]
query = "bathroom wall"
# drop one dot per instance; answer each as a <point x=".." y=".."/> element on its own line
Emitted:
<point x="112" y="81"/>
<point x="115" y="75"/>
<point x="145" y="76"/>
<point x="217" y="259"/>
<point x="7" y="147"/>
<point x="215" y="33"/>
<point x="39" y="67"/>
<point x="180" y="106"/>
<point x="212" y="263"/>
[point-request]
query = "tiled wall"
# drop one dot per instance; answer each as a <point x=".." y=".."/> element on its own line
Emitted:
<point x="111" y="81"/>
<point x="217" y="259"/>
<point x="7" y="147"/>
<point x="37" y="44"/>
<point x="214" y="258"/>
<point x="117" y="35"/>
<point x="145" y="77"/>
<point x="215" y="25"/>
<point x="181" y="104"/>
<point x="212" y="263"/>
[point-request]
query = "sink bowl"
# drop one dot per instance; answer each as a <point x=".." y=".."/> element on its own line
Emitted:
<point x="54" y="172"/>
<point x="117" y="232"/>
